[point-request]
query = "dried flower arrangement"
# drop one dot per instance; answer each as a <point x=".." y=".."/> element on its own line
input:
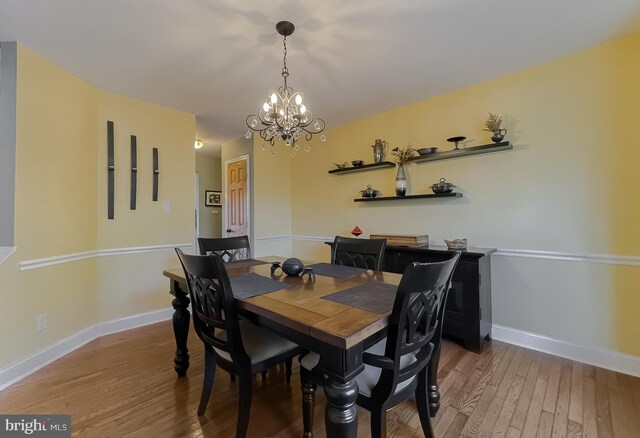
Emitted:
<point x="401" y="156"/>
<point x="492" y="123"/>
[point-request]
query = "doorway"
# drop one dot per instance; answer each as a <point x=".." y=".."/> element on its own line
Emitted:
<point x="237" y="191"/>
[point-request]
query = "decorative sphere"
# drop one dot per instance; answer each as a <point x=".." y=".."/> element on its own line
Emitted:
<point x="292" y="266"/>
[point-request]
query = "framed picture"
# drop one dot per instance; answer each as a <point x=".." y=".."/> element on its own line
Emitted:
<point x="212" y="198"/>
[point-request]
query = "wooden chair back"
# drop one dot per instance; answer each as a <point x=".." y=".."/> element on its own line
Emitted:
<point x="231" y="249"/>
<point x="215" y="317"/>
<point x="359" y="253"/>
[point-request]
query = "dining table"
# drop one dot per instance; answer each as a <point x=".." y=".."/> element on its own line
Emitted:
<point x="337" y="313"/>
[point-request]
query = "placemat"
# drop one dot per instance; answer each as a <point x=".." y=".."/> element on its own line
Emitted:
<point x="252" y="284"/>
<point x="244" y="263"/>
<point x="335" y="271"/>
<point x="374" y="296"/>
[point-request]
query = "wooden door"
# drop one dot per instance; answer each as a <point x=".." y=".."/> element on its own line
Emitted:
<point x="237" y="198"/>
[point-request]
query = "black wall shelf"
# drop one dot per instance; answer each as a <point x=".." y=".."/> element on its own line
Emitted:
<point x="400" y="198"/>
<point x="472" y="150"/>
<point x="371" y="166"/>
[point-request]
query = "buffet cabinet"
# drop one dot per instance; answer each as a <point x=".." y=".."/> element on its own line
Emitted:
<point x="468" y="310"/>
<point x="467" y="316"/>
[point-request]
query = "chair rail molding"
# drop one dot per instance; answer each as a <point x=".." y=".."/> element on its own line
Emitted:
<point x="73" y="257"/>
<point x="610" y="259"/>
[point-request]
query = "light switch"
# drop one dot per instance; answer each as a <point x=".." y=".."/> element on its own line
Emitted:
<point x="215" y="211"/>
<point x="166" y="206"/>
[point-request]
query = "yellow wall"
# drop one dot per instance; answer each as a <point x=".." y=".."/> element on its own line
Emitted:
<point x="55" y="210"/>
<point x="61" y="207"/>
<point x="132" y="284"/>
<point x="570" y="185"/>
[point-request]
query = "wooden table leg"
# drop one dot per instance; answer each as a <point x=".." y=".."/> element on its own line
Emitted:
<point x="181" y="319"/>
<point x="341" y="416"/>
<point x="308" y="401"/>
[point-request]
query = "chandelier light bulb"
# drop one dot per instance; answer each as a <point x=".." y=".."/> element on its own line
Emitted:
<point x="298" y="99"/>
<point x="303" y="109"/>
<point x="265" y="107"/>
<point x="274" y="97"/>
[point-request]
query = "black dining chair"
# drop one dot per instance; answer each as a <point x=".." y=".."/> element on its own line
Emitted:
<point x="231" y="249"/>
<point x="359" y="253"/>
<point x="235" y="345"/>
<point x="395" y="368"/>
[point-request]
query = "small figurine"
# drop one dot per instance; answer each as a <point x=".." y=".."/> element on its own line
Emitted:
<point x="356" y="231"/>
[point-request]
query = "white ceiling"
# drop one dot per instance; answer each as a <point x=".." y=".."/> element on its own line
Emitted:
<point x="218" y="58"/>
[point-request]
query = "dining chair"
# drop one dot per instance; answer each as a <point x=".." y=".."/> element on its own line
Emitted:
<point x="235" y="345"/>
<point x="359" y="253"/>
<point x="231" y="249"/>
<point x="395" y="368"/>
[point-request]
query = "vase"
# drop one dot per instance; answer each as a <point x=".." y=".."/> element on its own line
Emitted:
<point x="498" y="135"/>
<point x="401" y="181"/>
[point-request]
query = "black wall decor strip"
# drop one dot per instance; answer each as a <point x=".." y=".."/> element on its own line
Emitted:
<point x="110" y="170"/>
<point x="156" y="172"/>
<point x="134" y="171"/>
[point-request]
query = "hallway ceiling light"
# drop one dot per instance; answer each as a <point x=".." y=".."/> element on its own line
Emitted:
<point x="283" y="115"/>
<point x="198" y="144"/>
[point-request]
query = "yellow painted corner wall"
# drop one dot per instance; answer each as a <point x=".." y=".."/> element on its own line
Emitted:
<point x="55" y="210"/>
<point x="272" y="200"/>
<point x="569" y="185"/>
<point x="133" y="284"/>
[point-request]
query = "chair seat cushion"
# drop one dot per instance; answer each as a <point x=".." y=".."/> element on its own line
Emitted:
<point x="260" y="343"/>
<point x="368" y="378"/>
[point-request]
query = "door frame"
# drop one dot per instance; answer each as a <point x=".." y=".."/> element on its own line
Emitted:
<point x="246" y="158"/>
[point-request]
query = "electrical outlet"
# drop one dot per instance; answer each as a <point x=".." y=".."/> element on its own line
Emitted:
<point x="41" y="322"/>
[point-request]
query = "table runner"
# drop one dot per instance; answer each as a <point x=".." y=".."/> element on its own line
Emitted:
<point x="252" y="284"/>
<point x="244" y="263"/>
<point x="336" y="271"/>
<point x="374" y="296"/>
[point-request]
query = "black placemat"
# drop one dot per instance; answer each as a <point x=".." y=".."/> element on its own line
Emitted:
<point x="335" y="271"/>
<point x="244" y="263"/>
<point x="252" y="284"/>
<point x="374" y="296"/>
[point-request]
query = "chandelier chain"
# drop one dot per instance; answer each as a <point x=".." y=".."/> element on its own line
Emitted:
<point x="285" y="69"/>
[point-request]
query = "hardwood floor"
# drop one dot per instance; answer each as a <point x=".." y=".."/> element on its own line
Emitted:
<point x="124" y="385"/>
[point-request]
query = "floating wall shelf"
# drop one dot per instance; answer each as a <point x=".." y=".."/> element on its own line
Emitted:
<point x="472" y="150"/>
<point x="400" y="198"/>
<point x="371" y="166"/>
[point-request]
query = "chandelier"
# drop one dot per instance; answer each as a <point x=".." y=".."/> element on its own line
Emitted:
<point x="283" y="116"/>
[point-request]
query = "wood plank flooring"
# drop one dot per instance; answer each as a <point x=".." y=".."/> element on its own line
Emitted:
<point x="124" y="385"/>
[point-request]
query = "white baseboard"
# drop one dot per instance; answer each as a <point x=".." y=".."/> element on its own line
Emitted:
<point x="131" y="322"/>
<point x="600" y="357"/>
<point x="41" y="358"/>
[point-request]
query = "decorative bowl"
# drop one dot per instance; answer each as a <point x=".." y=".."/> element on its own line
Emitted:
<point x="427" y="151"/>
<point x="292" y="267"/>
<point x="369" y="192"/>
<point x="442" y="187"/>
<point x="357" y="163"/>
<point x="341" y="166"/>
<point x="456" y="243"/>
